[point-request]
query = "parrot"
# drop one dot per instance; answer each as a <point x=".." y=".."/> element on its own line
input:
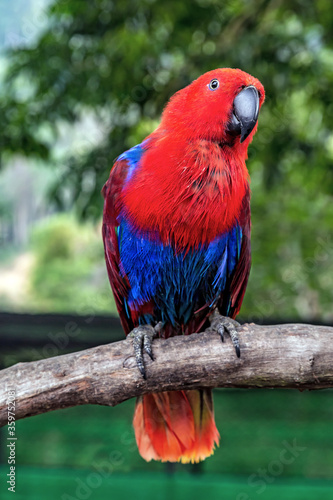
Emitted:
<point x="176" y="232"/>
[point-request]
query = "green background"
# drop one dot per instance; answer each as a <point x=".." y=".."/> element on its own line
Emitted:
<point x="80" y="83"/>
<point x="90" y="451"/>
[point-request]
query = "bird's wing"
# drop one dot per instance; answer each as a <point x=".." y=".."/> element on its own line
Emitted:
<point x="231" y="299"/>
<point x="112" y="191"/>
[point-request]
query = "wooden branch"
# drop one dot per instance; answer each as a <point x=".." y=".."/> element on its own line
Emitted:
<point x="281" y="356"/>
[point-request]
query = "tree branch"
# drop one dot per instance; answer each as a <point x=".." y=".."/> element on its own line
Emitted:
<point x="281" y="356"/>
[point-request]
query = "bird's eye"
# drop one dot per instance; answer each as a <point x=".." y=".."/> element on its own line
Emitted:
<point x="214" y="84"/>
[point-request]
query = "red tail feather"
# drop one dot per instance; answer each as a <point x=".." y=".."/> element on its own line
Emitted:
<point x="176" y="426"/>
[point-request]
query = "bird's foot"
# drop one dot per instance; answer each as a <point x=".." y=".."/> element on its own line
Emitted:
<point x="143" y="336"/>
<point x="221" y="324"/>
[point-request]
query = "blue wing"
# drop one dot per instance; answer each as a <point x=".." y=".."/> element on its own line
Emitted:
<point x="178" y="282"/>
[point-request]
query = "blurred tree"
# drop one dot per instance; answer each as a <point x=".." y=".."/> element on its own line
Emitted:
<point x="118" y="62"/>
<point x="69" y="273"/>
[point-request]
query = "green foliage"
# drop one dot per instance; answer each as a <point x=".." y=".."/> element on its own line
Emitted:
<point x="54" y="241"/>
<point x="69" y="273"/>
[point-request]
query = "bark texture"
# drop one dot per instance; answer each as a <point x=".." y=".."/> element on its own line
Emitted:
<point x="290" y="356"/>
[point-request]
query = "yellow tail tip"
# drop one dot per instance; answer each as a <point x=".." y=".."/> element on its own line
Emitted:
<point x="176" y="426"/>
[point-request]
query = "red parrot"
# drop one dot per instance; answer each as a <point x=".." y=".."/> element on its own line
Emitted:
<point x="176" y="232"/>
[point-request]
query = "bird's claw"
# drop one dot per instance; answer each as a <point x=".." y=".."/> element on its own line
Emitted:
<point x="142" y="341"/>
<point x="222" y="324"/>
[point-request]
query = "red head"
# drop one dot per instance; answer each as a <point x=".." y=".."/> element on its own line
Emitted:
<point x="221" y="105"/>
<point x="192" y="178"/>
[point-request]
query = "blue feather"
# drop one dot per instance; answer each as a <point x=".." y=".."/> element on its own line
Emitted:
<point x="175" y="280"/>
<point x="132" y="156"/>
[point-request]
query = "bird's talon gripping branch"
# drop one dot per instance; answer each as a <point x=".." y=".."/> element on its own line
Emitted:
<point x="222" y="324"/>
<point x="142" y="341"/>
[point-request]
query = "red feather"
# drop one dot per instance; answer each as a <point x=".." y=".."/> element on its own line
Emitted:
<point x="190" y="187"/>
